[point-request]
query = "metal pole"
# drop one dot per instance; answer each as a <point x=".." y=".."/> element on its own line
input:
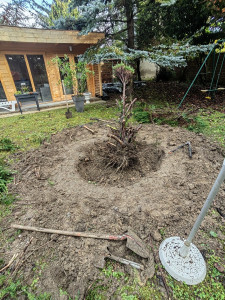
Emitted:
<point x="185" y="249"/>
<point x="214" y="73"/>
<point x="196" y="76"/>
<point x="220" y="71"/>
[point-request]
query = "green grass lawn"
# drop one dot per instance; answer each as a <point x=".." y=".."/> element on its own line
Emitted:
<point x="213" y="125"/>
<point x="28" y="131"/>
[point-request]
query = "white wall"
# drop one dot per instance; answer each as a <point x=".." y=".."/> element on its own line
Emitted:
<point x="147" y="69"/>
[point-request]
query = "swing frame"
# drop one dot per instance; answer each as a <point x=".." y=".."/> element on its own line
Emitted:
<point x="213" y="85"/>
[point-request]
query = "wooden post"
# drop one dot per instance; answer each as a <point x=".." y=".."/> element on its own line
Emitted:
<point x="91" y="81"/>
<point x="100" y="78"/>
<point x="7" y="79"/>
<point x="73" y="65"/>
<point x="53" y="77"/>
<point x="29" y="72"/>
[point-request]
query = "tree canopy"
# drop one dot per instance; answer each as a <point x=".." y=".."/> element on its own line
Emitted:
<point x="163" y="31"/>
<point x="178" y="22"/>
<point x="60" y="10"/>
<point x="16" y="12"/>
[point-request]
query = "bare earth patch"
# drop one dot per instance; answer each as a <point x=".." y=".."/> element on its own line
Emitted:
<point x="64" y="185"/>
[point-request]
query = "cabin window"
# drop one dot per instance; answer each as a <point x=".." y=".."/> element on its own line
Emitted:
<point x="19" y="72"/>
<point x="39" y="75"/>
<point x="2" y="93"/>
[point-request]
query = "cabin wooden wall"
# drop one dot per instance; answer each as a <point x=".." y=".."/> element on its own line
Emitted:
<point x="97" y="79"/>
<point x="94" y="82"/>
<point x="48" y="37"/>
<point x="6" y="78"/>
<point x="53" y="77"/>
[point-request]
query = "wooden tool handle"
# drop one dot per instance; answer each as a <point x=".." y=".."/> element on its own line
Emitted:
<point x="72" y="233"/>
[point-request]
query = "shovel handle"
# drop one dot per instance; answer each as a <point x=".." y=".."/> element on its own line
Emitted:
<point x="72" y="233"/>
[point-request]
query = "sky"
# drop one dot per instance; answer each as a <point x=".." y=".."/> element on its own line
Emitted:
<point x="6" y="1"/>
<point x="3" y="1"/>
<point x="30" y="20"/>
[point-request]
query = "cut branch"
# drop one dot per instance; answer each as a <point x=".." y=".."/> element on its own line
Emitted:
<point x="116" y="139"/>
<point x="10" y="262"/>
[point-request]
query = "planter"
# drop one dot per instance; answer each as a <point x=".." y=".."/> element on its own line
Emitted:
<point x="79" y="102"/>
<point x="87" y="97"/>
<point x="26" y="98"/>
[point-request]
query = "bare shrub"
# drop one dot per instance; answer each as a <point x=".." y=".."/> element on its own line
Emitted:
<point x="122" y="151"/>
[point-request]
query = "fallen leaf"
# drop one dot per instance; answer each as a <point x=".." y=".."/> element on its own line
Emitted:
<point x="220" y="268"/>
<point x="213" y="234"/>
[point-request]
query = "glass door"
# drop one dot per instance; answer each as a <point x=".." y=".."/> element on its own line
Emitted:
<point x="2" y="93"/>
<point x="39" y="75"/>
<point x="19" y="72"/>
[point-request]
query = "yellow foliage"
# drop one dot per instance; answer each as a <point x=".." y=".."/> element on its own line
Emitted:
<point x="61" y="9"/>
<point x="221" y="48"/>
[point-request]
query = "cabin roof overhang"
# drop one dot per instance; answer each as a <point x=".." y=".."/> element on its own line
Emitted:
<point x="22" y="38"/>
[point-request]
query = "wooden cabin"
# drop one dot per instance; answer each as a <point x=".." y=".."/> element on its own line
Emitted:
<point x="26" y="60"/>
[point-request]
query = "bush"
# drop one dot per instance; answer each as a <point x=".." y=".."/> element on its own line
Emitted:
<point x="5" y="177"/>
<point x="142" y="116"/>
<point x="165" y="74"/>
<point x="7" y="145"/>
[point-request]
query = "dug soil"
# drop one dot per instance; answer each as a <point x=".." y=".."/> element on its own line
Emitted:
<point x="64" y="185"/>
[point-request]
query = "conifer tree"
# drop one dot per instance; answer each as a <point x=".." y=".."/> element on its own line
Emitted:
<point x="16" y="13"/>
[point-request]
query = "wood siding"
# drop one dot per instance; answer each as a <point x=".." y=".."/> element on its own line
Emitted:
<point x="49" y="43"/>
<point x="94" y="83"/>
<point x="47" y="36"/>
<point x="91" y="81"/>
<point x="53" y="77"/>
<point x="6" y="78"/>
<point x="97" y="79"/>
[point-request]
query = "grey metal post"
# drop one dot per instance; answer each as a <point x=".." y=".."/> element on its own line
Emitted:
<point x="185" y="249"/>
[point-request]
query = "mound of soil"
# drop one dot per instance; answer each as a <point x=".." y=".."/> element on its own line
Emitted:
<point x="102" y="162"/>
<point x="60" y="186"/>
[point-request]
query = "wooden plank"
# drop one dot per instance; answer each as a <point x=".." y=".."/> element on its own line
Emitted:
<point x="38" y="48"/>
<point x="7" y="79"/>
<point x="19" y="34"/>
<point x="91" y="81"/>
<point x="53" y="77"/>
<point x="49" y="78"/>
<point x="97" y="80"/>
<point x="29" y="72"/>
<point x="100" y="78"/>
<point x="72" y="64"/>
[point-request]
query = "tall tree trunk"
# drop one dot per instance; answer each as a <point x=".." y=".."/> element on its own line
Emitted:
<point x="138" y="69"/>
<point x="130" y="22"/>
<point x="129" y="6"/>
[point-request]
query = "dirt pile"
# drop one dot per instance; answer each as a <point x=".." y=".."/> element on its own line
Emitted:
<point x="62" y="186"/>
<point x="103" y="163"/>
